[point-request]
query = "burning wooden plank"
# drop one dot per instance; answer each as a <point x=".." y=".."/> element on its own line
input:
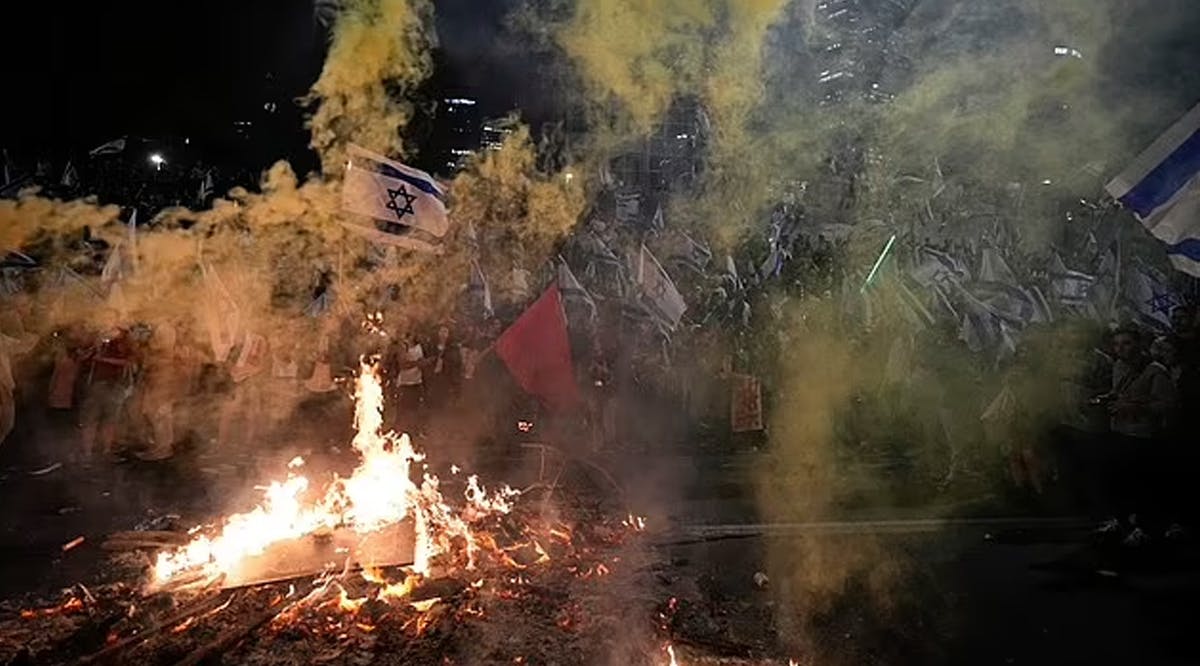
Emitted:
<point x="392" y="545"/>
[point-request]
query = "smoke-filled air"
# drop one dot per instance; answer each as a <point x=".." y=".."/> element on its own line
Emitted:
<point x="661" y="331"/>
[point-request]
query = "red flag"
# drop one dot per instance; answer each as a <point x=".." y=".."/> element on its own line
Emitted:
<point x="538" y="354"/>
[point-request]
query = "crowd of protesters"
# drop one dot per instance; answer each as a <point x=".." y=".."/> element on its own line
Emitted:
<point x="1129" y="458"/>
<point x="148" y="390"/>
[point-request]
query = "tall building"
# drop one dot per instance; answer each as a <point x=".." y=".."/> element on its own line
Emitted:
<point x="456" y="134"/>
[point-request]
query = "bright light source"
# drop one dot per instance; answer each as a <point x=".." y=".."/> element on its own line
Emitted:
<point x="569" y="176"/>
<point x="157" y="160"/>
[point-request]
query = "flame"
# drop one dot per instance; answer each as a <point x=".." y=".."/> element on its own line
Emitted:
<point x="378" y="493"/>
<point x="388" y="591"/>
<point x="671" y="653"/>
<point x="348" y="604"/>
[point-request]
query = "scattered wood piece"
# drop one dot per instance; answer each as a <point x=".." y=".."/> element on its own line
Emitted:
<point x="228" y="638"/>
<point x="144" y="540"/>
<point x="72" y="543"/>
<point x="195" y="608"/>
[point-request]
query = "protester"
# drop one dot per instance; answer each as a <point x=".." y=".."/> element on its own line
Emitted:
<point x="471" y="349"/>
<point x="1185" y="340"/>
<point x="242" y="410"/>
<point x="406" y="360"/>
<point x="284" y="384"/>
<point x="1143" y="390"/>
<point x="1138" y="402"/>
<point x="164" y="384"/>
<point x="67" y="365"/>
<point x="443" y="376"/>
<point x="320" y="380"/>
<point x="601" y="412"/>
<point x="111" y="366"/>
<point x="14" y="341"/>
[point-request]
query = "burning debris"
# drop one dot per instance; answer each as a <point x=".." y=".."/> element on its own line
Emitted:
<point x="368" y="565"/>
<point x="532" y="590"/>
<point x="375" y="567"/>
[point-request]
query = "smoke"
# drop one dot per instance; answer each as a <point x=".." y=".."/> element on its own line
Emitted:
<point x="636" y="59"/>
<point x="518" y="211"/>
<point x="957" y="113"/>
<point x="380" y="53"/>
<point x="254" y="261"/>
<point x="941" y="120"/>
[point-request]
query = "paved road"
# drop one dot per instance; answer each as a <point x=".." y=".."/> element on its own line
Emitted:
<point x="1017" y="590"/>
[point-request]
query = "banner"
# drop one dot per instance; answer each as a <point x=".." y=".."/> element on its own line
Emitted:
<point x="628" y="207"/>
<point x="537" y="352"/>
<point x="746" y="408"/>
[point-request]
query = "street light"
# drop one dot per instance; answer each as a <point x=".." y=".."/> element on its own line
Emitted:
<point x="157" y="160"/>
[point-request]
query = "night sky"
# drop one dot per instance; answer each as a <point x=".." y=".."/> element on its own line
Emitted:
<point x="78" y="74"/>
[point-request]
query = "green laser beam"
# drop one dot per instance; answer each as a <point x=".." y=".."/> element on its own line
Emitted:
<point x="878" y="262"/>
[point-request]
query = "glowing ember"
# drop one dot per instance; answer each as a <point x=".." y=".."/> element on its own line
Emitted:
<point x="671" y="654"/>
<point x="72" y="605"/>
<point x="378" y="494"/>
<point x="424" y="605"/>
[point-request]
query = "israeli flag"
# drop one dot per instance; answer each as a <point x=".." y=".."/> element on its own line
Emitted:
<point x="1071" y="288"/>
<point x="660" y="293"/>
<point x="1150" y="297"/>
<point x="1162" y="189"/>
<point x="571" y="289"/>
<point x="406" y="206"/>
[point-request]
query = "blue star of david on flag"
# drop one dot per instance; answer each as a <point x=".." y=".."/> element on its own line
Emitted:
<point x="394" y="204"/>
<point x="1161" y="302"/>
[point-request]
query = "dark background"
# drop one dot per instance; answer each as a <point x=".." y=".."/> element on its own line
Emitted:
<point x="75" y="76"/>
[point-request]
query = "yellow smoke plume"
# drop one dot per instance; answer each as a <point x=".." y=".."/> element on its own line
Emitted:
<point x="518" y="212"/>
<point x="379" y="53"/>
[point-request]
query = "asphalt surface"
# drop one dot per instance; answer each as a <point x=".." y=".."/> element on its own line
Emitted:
<point x="960" y="589"/>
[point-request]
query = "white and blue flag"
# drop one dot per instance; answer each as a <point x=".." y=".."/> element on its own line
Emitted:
<point x="659" y="291"/>
<point x="1162" y="189"/>
<point x="1150" y="297"/>
<point x="407" y="206"/>
<point x="571" y="289"/>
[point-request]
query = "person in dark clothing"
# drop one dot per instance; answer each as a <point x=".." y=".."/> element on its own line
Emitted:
<point x="1141" y="396"/>
<point x="443" y="373"/>
<point x="1185" y="341"/>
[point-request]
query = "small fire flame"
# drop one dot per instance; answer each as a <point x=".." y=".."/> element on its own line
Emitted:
<point x="379" y="493"/>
